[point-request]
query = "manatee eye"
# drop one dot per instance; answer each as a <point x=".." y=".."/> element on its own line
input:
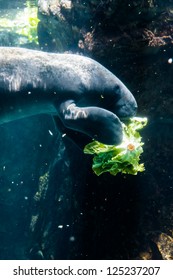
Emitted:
<point x="117" y="89"/>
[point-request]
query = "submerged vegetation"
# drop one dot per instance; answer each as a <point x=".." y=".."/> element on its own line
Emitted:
<point x="23" y="24"/>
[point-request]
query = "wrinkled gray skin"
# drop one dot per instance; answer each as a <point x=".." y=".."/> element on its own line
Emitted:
<point x="82" y="93"/>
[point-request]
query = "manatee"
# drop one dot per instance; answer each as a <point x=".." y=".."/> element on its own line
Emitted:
<point x="84" y="95"/>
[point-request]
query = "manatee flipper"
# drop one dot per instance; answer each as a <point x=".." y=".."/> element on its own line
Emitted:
<point x="99" y="124"/>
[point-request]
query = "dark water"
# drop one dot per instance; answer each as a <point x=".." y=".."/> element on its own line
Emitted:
<point x="51" y="204"/>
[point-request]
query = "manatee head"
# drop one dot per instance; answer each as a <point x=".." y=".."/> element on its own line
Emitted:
<point x="119" y="100"/>
<point x="125" y="105"/>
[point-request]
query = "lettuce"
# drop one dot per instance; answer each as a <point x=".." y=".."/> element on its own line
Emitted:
<point x="122" y="158"/>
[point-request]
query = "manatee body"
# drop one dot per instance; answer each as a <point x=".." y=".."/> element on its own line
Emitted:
<point x="84" y="95"/>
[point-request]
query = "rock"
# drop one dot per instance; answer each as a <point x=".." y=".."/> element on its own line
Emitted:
<point x="164" y="243"/>
<point x="54" y="31"/>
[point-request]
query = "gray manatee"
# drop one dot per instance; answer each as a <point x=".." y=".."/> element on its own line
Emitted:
<point x="83" y="94"/>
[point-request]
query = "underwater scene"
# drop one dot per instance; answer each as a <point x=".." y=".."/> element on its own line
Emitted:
<point x="86" y="126"/>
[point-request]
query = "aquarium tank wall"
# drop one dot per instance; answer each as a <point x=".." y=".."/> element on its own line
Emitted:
<point x="52" y="204"/>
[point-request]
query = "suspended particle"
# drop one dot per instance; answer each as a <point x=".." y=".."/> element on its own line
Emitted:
<point x="170" y="60"/>
<point x="50" y="132"/>
<point x="72" y="238"/>
<point x="60" y="226"/>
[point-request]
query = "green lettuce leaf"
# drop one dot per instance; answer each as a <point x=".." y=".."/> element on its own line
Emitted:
<point x="122" y="158"/>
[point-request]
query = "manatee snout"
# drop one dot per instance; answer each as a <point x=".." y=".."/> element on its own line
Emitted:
<point x="126" y="105"/>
